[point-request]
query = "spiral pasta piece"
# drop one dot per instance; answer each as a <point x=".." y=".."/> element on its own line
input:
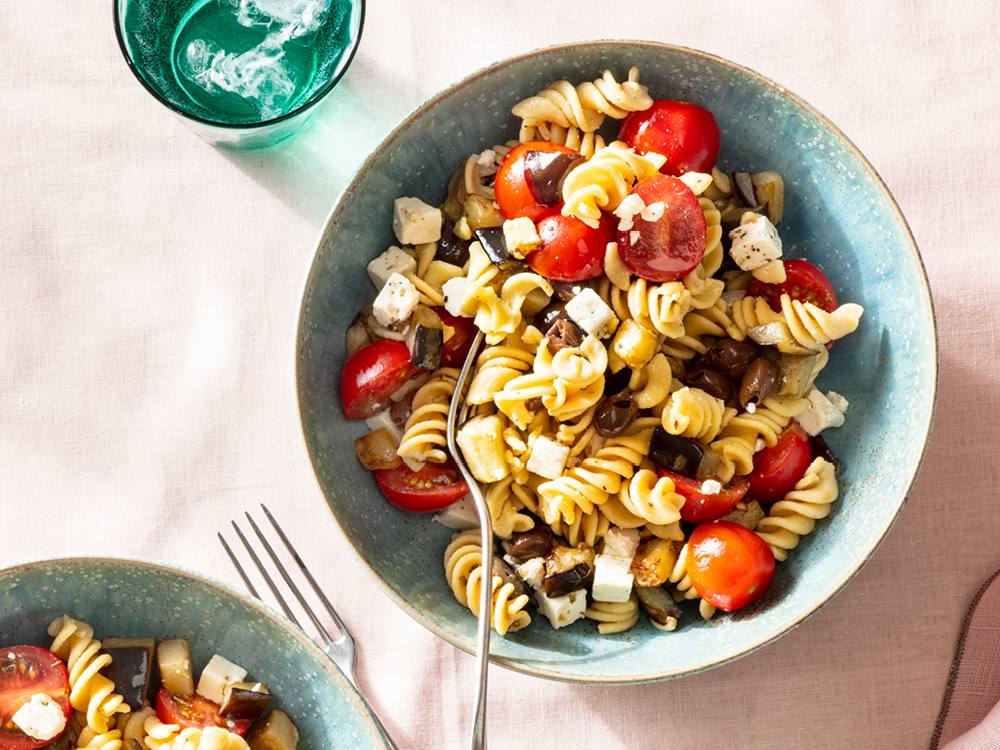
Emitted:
<point x="737" y="442"/>
<point x="160" y="736"/>
<point x="705" y="290"/>
<point x="650" y="385"/>
<point x="578" y="433"/>
<point x="684" y="586"/>
<point x="578" y="377"/>
<point x="505" y="509"/>
<point x="799" y="328"/>
<point x="653" y="499"/>
<point x="603" y="181"/>
<point x="614" y="617"/>
<point x="133" y="727"/>
<point x="660" y="307"/>
<point x="90" y="691"/>
<point x="795" y="516"/>
<point x="425" y="436"/>
<point x="496" y="366"/>
<point x="586" y="528"/>
<point x="463" y="565"/>
<point x="521" y="443"/>
<point x="568" y="114"/>
<point x="692" y="413"/>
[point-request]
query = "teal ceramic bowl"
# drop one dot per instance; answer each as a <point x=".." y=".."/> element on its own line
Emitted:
<point x="838" y="213"/>
<point x="130" y="598"/>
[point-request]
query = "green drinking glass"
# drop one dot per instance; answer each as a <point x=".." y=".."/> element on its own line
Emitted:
<point x="241" y="73"/>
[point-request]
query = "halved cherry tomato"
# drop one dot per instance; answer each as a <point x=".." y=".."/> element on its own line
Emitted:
<point x="806" y="283"/>
<point x="372" y="374"/>
<point x="195" y="712"/>
<point x="777" y="469"/>
<point x="434" y="487"/>
<point x="683" y="132"/>
<point x="458" y="345"/>
<point x="572" y="251"/>
<point x="699" y="507"/>
<point x="512" y="192"/>
<point x="730" y="566"/>
<point x="26" y="671"/>
<point x="671" y="246"/>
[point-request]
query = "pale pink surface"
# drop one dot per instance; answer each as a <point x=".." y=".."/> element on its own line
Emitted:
<point x="150" y="288"/>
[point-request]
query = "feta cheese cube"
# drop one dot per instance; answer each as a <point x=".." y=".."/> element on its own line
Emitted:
<point x="612" y="579"/>
<point x="711" y="487"/>
<point x="562" y="610"/>
<point x="699" y="182"/>
<point x="384" y="420"/>
<point x="837" y="400"/>
<point x="548" y="458"/>
<point x="415" y="222"/>
<point x="653" y="212"/>
<point x="454" y="292"/>
<point x="393" y="260"/>
<point x="621" y="542"/>
<point x="460" y="515"/>
<point x="40" y="718"/>
<point x="823" y="412"/>
<point x="219" y="674"/>
<point x="631" y="206"/>
<point x="590" y="312"/>
<point x="532" y="571"/>
<point x="397" y="300"/>
<point x="755" y="242"/>
<point x="521" y="236"/>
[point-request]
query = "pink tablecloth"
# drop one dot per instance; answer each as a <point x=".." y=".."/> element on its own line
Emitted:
<point x="150" y="284"/>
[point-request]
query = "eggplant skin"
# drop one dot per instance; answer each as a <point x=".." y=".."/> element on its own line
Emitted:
<point x="578" y="577"/>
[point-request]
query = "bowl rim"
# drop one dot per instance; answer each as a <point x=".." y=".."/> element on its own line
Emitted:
<point x="219" y="587"/>
<point x="339" y="206"/>
<point x="312" y="101"/>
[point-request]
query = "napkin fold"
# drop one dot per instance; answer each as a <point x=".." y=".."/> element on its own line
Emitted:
<point x="970" y="710"/>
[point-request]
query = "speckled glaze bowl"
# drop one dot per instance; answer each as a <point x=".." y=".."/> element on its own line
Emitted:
<point x="130" y="598"/>
<point x="838" y="212"/>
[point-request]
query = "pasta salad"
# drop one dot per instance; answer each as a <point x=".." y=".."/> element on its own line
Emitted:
<point x="131" y="694"/>
<point x="646" y="424"/>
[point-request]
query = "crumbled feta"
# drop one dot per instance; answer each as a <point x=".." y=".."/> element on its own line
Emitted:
<point x="548" y="458"/>
<point x="759" y="445"/>
<point x="460" y="515"/>
<point x="592" y="314"/>
<point x="621" y="542"/>
<point x="415" y="222"/>
<point x="631" y="206"/>
<point x="41" y="718"/>
<point x="562" y="610"/>
<point x="711" y="487"/>
<point x="751" y="408"/>
<point x="612" y="579"/>
<point x="454" y="291"/>
<point x="521" y="236"/>
<point x="532" y="571"/>
<point x="396" y="302"/>
<point x="823" y="412"/>
<point x="699" y="182"/>
<point x="384" y="420"/>
<point x="653" y="212"/>
<point x="755" y="243"/>
<point x="217" y="675"/>
<point x="486" y="163"/>
<point x="634" y="236"/>
<point x="393" y="260"/>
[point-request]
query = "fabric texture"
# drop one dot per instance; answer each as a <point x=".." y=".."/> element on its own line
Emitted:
<point x="149" y="293"/>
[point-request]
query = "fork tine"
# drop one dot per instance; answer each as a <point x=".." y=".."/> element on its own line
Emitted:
<point x="344" y="632"/>
<point x="239" y="567"/>
<point x="267" y="577"/>
<point x="290" y="583"/>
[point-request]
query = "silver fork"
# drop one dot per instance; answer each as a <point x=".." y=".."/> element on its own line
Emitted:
<point x="457" y="412"/>
<point x="340" y="647"/>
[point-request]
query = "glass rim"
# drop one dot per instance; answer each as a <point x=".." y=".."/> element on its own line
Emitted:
<point x="310" y="102"/>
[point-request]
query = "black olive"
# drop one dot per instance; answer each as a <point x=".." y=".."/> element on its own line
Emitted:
<point x="758" y="381"/>
<point x="713" y="382"/>
<point x="567" y="290"/>
<point x="674" y="453"/>
<point x="616" y="381"/>
<point x="730" y="357"/>
<point x="491" y="238"/>
<point x="451" y="248"/>
<point x="743" y="188"/>
<point x="544" y="172"/>
<point x="549" y="314"/>
<point x="564" y="334"/>
<point x="528" y="544"/>
<point x="823" y="450"/>
<point x="615" y="414"/>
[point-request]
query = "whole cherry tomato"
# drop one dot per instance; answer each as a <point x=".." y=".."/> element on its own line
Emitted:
<point x="730" y="566"/>
<point x="683" y="132"/>
<point x="372" y="374"/>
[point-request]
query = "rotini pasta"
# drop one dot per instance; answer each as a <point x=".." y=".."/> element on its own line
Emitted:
<point x="660" y="307"/>
<point x="171" y="737"/>
<point x="692" y="413"/>
<point x="650" y="385"/>
<point x="684" y="587"/>
<point x="613" y="617"/>
<point x="90" y="691"/>
<point x="656" y="501"/>
<point x="795" y="516"/>
<point x="91" y="740"/>
<point x="505" y="509"/>
<point x="463" y="564"/>
<point x="424" y="438"/>
<point x="737" y="443"/>
<point x="799" y="328"/>
<point x="603" y="181"/>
